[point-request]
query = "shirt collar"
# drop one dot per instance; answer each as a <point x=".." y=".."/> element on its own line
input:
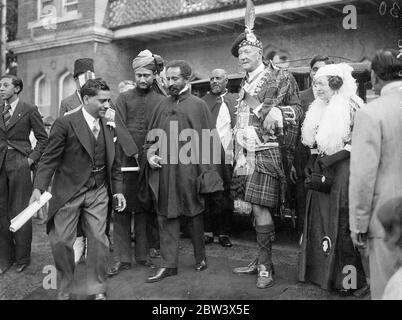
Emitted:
<point x="13" y="104"/>
<point x="394" y="86"/>
<point x="89" y="119"/>
<point x="257" y="71"/>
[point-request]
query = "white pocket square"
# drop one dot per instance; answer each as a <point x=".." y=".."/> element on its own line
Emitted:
<point x="114" y="139"/>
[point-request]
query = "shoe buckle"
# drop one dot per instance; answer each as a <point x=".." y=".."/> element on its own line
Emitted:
<point x="263" y="274"/>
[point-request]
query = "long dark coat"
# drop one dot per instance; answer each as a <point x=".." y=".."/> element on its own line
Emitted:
<point x="326" y="226"/>
<point x="135" y="108"/>
<point x="177" y="188"/>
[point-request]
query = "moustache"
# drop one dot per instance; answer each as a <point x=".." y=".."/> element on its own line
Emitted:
<point x="174" y="89"/>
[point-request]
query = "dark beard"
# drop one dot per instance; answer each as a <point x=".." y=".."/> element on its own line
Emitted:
<point x="174" y="91"/>
<point x="144" y="90"/>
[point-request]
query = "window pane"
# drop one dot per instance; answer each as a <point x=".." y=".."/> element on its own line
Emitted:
<point x="44" y="92"/>
<point x="68" y="86"/>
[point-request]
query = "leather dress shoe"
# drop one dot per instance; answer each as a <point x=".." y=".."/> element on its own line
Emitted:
<point x="201" y="266"/>
<point x="146" y="263"/>
<point x="252" y="268"/>
<point x="225" y="241"/>
<point x="118" y="267"/>
<point x="4" y="270"/>
<point x="162" y="273"/>
<point x="208" y="239"/>
<point x="154" y="253"/>
<point x="100" y="296"/>
<point x="21" y="267"/>
<point x="63" y="296"/>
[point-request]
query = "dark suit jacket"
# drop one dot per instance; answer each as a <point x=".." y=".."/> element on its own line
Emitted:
<point x="69" y="157"/>
<point x="69" y="103"/>
<point x="26" y="117"/>
<point x="306" y="98"/>
<point x="214" y="103"/>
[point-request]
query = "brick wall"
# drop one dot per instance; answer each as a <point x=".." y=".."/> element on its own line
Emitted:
<point x="28" y="12"/>
<point x="303" y="40"/>
<point x="112" y="62"/>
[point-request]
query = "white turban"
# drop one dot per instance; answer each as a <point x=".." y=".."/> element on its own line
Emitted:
<point x="144" y="59"/>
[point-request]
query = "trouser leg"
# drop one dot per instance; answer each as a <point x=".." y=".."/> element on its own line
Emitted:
<point x="196" y="225"/>
<point x="224" y="215"/>
<point x="140" y="233"/>
<point x="7" y="249"/>
<point x="62" y="235"/>
<point x="169" y="232"/>
<point x="94" y="214"/>
<point x="152" y="230"/>
<point x="122" y="236"/>
<point x="209" y="214"/>
<point x="20" y="189"/>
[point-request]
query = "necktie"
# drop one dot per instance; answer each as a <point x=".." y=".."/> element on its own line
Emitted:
<point x="95" y="129"/>
<point x="7" y="115"/>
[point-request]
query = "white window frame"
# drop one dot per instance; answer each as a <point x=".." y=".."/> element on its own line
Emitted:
<point x="37" y="82"/>
<point x="42" y="4"/>
<point x="66" y="4"/>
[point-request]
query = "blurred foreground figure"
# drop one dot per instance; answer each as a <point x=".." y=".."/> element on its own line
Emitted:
<point x="376" y="166"/>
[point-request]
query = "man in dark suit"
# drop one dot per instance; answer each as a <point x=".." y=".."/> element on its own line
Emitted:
<point x="219" y="207"/>
<point x="16" y="158"/>
<point x="82" y="156"/>
<point x="83" y="70"/>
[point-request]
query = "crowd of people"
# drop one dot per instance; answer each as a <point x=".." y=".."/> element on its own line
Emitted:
<point x="144" y="159"/>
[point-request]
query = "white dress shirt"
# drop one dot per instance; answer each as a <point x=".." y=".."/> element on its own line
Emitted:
<point x="91" y="121"/>
<point x="13" y="105"/>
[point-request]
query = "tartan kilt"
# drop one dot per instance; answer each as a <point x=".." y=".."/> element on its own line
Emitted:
<point x="263" y="186"/>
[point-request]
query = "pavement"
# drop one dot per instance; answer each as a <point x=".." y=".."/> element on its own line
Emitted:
<point x="215" y="283"/>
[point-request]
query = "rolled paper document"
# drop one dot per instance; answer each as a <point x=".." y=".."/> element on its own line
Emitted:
<point x="130" y="169"/>
<point x="28" y="212"/>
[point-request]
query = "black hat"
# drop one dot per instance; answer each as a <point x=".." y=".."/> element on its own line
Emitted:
<point x="83" y="65"/>
<point x="245" y="39"/>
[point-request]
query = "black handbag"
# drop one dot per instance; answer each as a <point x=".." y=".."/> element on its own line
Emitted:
<point x="319" y="182"/>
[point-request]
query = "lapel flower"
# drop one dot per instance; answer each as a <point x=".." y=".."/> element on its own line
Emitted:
<point x="109" y="116"/>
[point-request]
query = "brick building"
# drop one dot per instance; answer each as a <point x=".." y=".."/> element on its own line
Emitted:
<point x="53" y="33"/>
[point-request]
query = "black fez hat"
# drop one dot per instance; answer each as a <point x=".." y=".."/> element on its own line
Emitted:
<point x="245" y="39"/>
<point x="83" y="65"/>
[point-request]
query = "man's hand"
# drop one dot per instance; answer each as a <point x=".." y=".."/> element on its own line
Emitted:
<point x="121" y="202"/>
<point x="269" y="123"/>
<point x="293" y="175"/>
<point x="358" y="239"/>
<point x="154" y="162"/>
<point x="35" y="197"/>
